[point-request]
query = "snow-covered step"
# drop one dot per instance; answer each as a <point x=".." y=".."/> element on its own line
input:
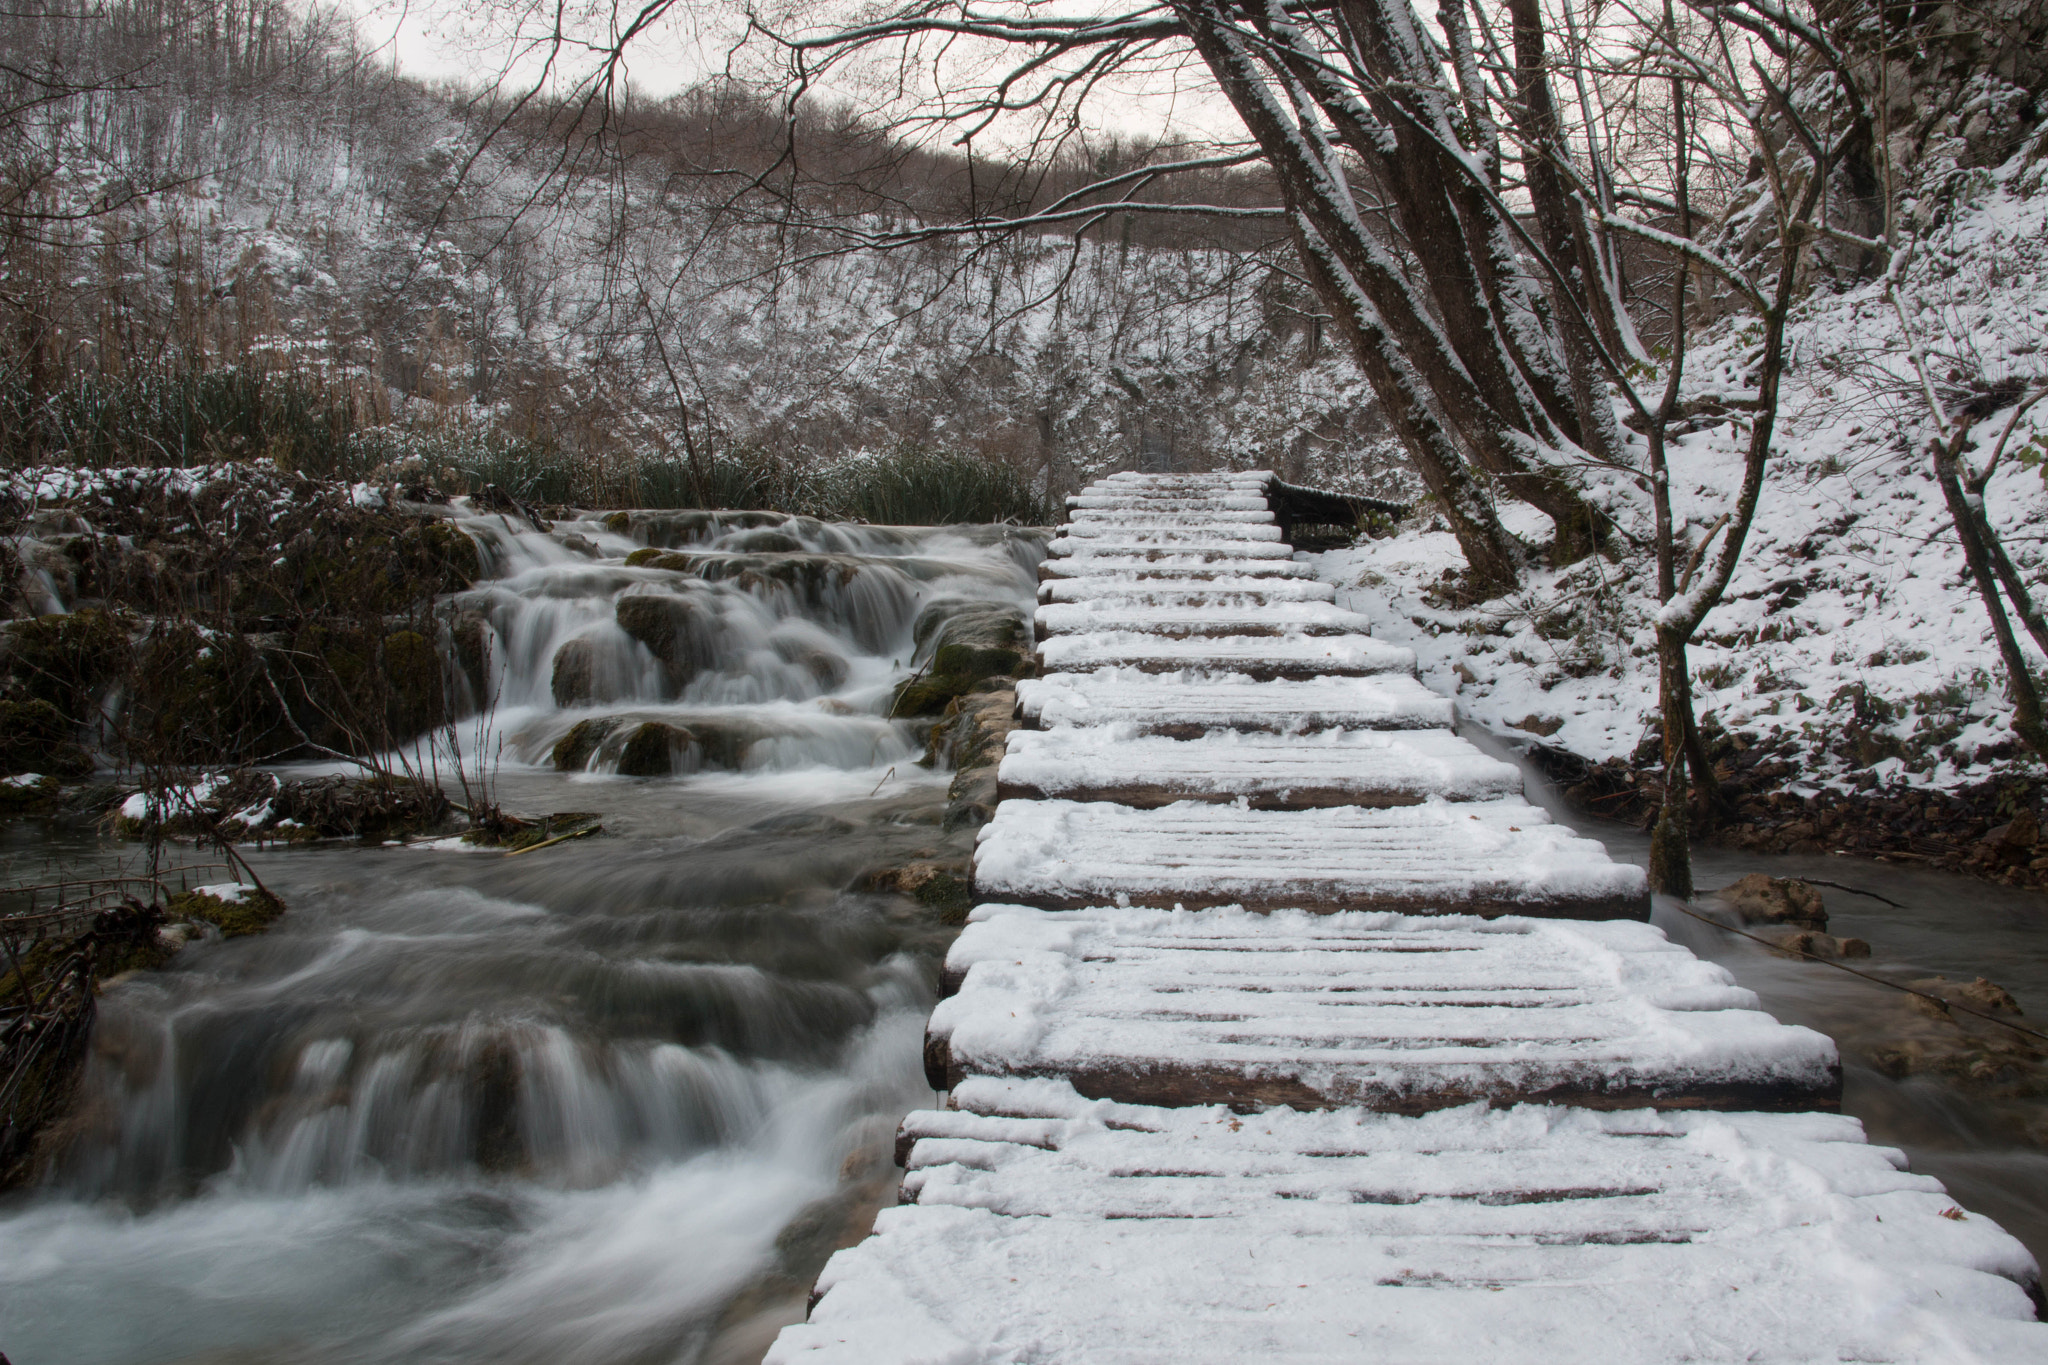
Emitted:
<point x="1189" y="704"/>
<point x="1221" y="590"/>
<point x="1267" y="771"/>
<point x="1198" y="618"/>
<point x="1051" y="1229"/>
<point x="1167" y="502"/>
<point x="1384" y="1011"/>
<point x="1170" y="516"/>
<point x="1187" y="553"/>
<point x="1475" y="857"/>
<point x="1128" y="479"/>
<point x="1089" y="562"/>
<point x="1195" y="534"/>
<point x="1255" y="656"/>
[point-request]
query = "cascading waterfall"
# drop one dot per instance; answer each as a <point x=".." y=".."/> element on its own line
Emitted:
<point x="608" y="1103"/>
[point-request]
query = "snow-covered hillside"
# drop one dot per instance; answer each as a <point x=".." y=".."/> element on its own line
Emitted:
<point x="1850" y="643"/>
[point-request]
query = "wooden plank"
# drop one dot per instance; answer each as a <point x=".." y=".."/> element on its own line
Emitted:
<point x="1181" y="517"/>
<point x="1254" y="656"/>
<point x="1044" y="1227"/>
<point x="1166" y="502"/>
<point x="1170" y="566"/>
<point x="1479" y="857"/>
<point x="1405" y="1014"/>
<point x="1267" y="771"/>
<point x="1195" y="535"/>
<point x="1186" y="705"/>
<point x="1211" y="617"/>
<point x="1217" y="590"/>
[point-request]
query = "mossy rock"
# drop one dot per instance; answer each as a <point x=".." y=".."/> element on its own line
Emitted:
<point x="928" y="695"/>
<point x="764" y="541"/>
<point x="28" y="794"/>
<point x="650" y="751"/>
<point x="412" y="666"/>
<point x="670" y="626"/>
<point x="36" y="738"/>
<point x="451" y="550"/>
<point x="572" y="752"/>
<point x="973" y="640"/>
<point x="649" y="557"/>
<point x="203" y="698"/>
<point x="619" y="522"/>
<point x="574" y="680"/>
<point x="237" y="913"/>
<point x="724" y="742"/>
<point x="68" y="661"/>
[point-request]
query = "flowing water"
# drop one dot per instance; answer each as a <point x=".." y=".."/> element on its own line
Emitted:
<point x="1988" y="1147"/>
<point x="610" y="1101"/>
<point x="614" y="1101"/>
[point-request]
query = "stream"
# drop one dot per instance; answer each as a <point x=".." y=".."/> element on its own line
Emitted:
<point x="611" y="1101"/>
<point x="615" y="1101"/>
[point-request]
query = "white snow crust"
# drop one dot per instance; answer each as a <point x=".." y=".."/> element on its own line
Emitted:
<point x="1110" y="696"/>
<point x="1442" y="856"/>
<point x="1073" y="564"/>
<point x="1225" y="590"/>
<point x="1371" y="766"/>
<point x="1216" y="617"/>
<point x="1285" y="655"/>
<point x="1387" y="1011"/>
<point x="1054" y="1229"/>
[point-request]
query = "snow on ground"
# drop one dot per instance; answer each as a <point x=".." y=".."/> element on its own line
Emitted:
<point x="1850" y="637"/>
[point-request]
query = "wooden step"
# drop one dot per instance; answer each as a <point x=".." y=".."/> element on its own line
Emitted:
<point x="1196" y="535"/>
<point x="1137" y="518"/>
<point x="1254" y="656"/>
<point x="1198" y="618"/>
<point x="1043" y="1227"/>
<point x="1256" y="478"/>
<point x="1185" y="705"/>
<point x="1385" y="1012"/>
<point x="1266" y="771"/>
<point x="1475" y="857"/>
<point x="1189" y="554"/>
<point x="1167" y="502"/>
<point x="1178" y="567"/>
<point x="1221" y="590"/>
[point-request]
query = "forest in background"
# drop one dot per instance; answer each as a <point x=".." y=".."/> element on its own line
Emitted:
<point x="228" y="231"/>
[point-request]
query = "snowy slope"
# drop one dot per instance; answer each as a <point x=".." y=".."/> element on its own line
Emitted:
<point x="1848" y="637"/>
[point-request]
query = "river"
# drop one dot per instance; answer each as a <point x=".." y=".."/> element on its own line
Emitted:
<point x="614" y="1101"/>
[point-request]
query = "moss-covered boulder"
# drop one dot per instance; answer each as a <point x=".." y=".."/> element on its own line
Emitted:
<point x="652" y="749"/>
<point x="572" y="752"/>
<point x="676" y="628"/>
<point x="418" y="698"/>
<point x="452" y="554"/>
<point x="28" y="794"/>
<point x="574" y="680"/>
<point x="68" y="661"/>
<point x="237" y="909"/>
<point x="36" y="738"/>
<point x="965" y="645"/>
<point x="203" y="697"/>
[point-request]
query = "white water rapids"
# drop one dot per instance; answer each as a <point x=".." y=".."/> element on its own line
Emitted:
<point x="610" y="1102"/>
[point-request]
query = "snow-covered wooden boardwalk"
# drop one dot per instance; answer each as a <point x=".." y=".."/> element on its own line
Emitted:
<point x="1289" y="1030"/>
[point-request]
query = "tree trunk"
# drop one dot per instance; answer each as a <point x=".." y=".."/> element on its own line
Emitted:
<point x="1671" y="837"/>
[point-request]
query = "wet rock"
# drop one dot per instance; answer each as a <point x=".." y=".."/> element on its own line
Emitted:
<point x="574" y="680"/>
<point x="1980" y="994"/>
<point x="1813" y="943"/>
<point x="236" y="909"/>
<point x="650" y="558"/>
<point x="1546" y="726"/>
<point x="572" y="752"/>
<point x="29" y="794"/>
<point x="651" y="749"/>
<point x="967" y="642"/>
<point x="828" y="669"/>
<point x="36" y="738"/>
<point x="970" y="738"/>
<point x="763" y="541"/>
<point x="453" y="554"/>
<point x="944" y="886"/>
<point x="675" y="629"/>
<point x="1761" y="899"/>
<point x="412" y="667"/>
